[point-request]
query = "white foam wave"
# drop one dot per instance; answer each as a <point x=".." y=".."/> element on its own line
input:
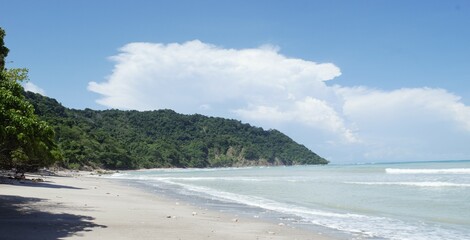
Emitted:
<point x="196" y="179"/>
<point x="414" y="184"/>
<point x="356" y="224"/>
<point x="178" y="170"/>
<point x="428" y="171"/>
<point x="261" y="202"/>
<point x="188" y="179"/>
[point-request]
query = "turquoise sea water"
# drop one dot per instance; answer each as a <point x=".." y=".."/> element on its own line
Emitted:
<point x="427" y="200"/>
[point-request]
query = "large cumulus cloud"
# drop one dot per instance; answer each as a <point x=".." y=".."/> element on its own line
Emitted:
<point x="262" y="86"/>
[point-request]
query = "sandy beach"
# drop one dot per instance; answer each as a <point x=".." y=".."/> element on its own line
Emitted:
<point x="87" y="207"/>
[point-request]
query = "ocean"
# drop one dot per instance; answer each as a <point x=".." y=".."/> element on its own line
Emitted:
<point x="415" y="200"/>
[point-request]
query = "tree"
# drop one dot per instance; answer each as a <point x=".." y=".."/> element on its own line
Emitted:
<point x="3" y="50"/>
<point x="26" y="143"/>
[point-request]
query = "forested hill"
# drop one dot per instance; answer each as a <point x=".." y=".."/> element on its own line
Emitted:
<point x="116" y="139"/>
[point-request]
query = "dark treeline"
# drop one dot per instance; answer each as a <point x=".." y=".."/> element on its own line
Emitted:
<point x="116" y="139"/>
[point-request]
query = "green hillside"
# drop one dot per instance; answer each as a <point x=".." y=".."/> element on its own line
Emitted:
<point x="116" y="139"/>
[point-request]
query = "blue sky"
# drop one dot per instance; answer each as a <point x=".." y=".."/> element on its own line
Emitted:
<point x="355" y="81"/>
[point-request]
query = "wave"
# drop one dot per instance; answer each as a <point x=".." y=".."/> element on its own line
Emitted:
<point x="261" y="202"/>
<point x="428" y="171"/>
<point x="415" y="184"/>
<point x="163" y="177"/>
<point x="358" y="225"/>
<point x="178" y="170"/>
<point x="196" y="179"/>
<point x="187" y="179"/>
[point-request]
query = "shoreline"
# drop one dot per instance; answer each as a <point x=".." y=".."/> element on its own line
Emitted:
<point x="90" y="207"/>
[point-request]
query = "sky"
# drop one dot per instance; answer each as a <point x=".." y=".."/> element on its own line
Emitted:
<point x="354" y="81"/>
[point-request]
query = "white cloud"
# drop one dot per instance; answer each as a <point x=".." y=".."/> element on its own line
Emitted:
<point x="29" y="86"/>
<point x="410" y="123"/>
<point x="184" y="76"/>
<point x="263" y="87"/>
<point x="256" y="83"/>
<point x="405" y="108"/>
<point x="309" y="112"/>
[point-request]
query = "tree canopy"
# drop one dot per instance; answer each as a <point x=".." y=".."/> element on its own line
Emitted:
<point x="26" y="142"/>
<point x="118" y="139"/>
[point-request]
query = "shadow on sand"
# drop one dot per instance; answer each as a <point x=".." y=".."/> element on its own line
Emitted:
<point x="21" y="218"/>
<point x="30" y="183"/>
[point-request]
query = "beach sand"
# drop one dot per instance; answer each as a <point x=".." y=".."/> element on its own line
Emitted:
<point x="84" y="207"/>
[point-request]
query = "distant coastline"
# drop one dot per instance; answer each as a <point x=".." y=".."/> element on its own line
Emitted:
<point x="115" y="139"/>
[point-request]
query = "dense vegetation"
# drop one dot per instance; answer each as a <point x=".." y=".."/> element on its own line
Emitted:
<point x="26" y="143"/>
<point x="117" y="139"/>
<point x="127" y="139"/>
